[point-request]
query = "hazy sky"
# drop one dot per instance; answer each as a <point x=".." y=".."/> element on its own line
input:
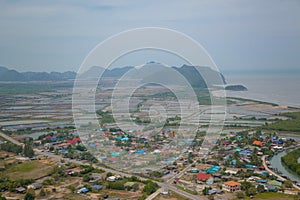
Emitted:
<point x="56" y="35"/>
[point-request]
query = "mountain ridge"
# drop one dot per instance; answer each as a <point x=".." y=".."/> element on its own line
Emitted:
<point x="194" y="75"/>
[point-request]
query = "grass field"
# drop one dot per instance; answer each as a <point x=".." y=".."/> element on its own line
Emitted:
<point x="292" y="124"/>
<point x="273" y="196"/>
<point x="27" y="170"/>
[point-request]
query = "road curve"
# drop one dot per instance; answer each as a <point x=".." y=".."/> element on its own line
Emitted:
<point x="165" y="185"/>
<point x="274" y="173"/>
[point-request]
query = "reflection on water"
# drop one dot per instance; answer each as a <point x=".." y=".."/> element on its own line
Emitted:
<point x="276" y="163"/>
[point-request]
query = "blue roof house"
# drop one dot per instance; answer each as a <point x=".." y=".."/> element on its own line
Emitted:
<point x="83" y="190"/>
<point x="97" y="187"/>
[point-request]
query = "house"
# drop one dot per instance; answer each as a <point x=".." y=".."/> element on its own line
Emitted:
<point x="111" y="178"/>
<point x="20" y="190"/>
<point x="164" y="171"/>
<point x="271" y="188"/>
<point x="35" y="186"/>
<point x="257" y="143"/>
<point x="113" y="159"/>
<point x="74" y="170"/>
<point x="106" y="133"/>
<point x="48" y="137"/>
<point x="201" y="177"/>
<point x="249" y="166"/>
<point x="82" y="190"/>
<point x="262" y="181"/>
<point x="275" y="183"/>
<point x="214" y="191"/>
<point x="129" y="185"/>
<point x="231" y="186"/>
<point x="96" y="187"/>
<point x="277" y="142"/>
<point x="213" y="169"/>
<point x="140" y="151"/>
<point x="74" y="141"/>
<point x="172" y="167"/>
<point x="194" y="170"/>
<point x="230" y="171"/>
<point x="95" y="177"/>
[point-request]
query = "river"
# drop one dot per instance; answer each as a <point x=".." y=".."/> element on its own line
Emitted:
<point x="276" y="163"/>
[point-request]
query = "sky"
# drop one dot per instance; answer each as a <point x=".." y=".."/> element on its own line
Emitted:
<point x="56" y="35"/>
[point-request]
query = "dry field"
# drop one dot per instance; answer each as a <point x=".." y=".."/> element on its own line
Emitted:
<point x="27" y="170"/>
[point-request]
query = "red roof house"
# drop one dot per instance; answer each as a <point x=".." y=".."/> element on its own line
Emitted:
<point x="74" y="141"/>
<point x="202" y="177"/>
<point x="261" y="168"/>
<point x="106" y="133"/>
<point x="48" y="137"/>
<point x="257" y="143"/>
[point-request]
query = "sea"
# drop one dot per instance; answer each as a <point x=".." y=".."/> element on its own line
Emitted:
<point x="282" y="88"/>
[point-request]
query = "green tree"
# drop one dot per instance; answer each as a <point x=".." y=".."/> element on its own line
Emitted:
<point x="10" y="147"/>
<point x="205" y="190"/>
<point x="240" y="195"/>
<point x="288" y="184"/>
<point x="119" y="185"/>
<point x="2" y="197"/>
<point x="109" y="174"/>
<point x="260" y="188"/>
<point x="72" y="188"/>
<point x="86" y="178"/>
<point x="28" y="151"/>
<point x="150" y="187"/>
<point x="30" y="195"/>
<point x="42" y="192"/>
<point x="211" y="197"/>
<point x="135" y="187"/>
<point x="245" y="185"/>
<point x="251" y="191"/>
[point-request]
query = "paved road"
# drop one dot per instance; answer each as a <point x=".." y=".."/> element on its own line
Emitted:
<point x="168" y="185"/>
<point x="274" y="173"/>
<point x="153" y="195"/>
<point x="58" y="158"/>
<point x="11" y="139"/>
<point x="165" y="185"/>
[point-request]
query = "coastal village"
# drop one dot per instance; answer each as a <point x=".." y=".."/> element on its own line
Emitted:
<point x="48" y="160"/>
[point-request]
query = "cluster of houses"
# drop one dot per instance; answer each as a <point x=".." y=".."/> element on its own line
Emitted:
<point x="34" y="186"/>
<point x="231" y="160"/>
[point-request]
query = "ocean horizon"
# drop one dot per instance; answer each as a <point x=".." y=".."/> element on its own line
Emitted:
<point x="280" y="87"/>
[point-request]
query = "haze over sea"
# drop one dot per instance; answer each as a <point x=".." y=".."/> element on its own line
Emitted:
<point x="280" y="87"/>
